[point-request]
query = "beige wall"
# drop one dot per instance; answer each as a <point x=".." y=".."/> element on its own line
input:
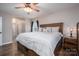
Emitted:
<point x="28" y="25"/>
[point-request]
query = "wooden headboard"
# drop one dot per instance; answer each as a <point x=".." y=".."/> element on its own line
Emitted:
<point x="60" y="25"/>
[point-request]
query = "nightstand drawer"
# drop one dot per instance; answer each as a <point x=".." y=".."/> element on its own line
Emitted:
<point x="70" y="42"/>
<point x="68" y="45"/>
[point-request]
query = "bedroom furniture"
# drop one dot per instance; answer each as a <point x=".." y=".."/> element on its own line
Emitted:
<point x="70" y="46"/>
<point x="25" y="50"/>
<point x="78" y="37"/>
<point x="30" y="52"/>
<point x="70" y="42"/>
<point x="60" y="25"/>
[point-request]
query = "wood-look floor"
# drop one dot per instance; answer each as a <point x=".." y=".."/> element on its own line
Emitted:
<point x="11" y="50"/>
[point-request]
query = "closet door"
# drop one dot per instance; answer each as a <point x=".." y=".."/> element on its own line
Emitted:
<point x="18" y="27"/>
<point x="0" y="30"/>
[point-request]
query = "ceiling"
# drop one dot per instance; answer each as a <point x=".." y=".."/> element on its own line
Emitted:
<point x="45" y="9"/>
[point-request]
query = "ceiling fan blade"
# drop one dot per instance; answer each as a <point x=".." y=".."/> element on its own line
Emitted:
<point x="35" y="9"/>
<point x="34" y="3"/>
<point x="32" y="6"/>
<point x="19" y="7"/>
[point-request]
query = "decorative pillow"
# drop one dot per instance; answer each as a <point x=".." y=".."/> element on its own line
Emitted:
<point x="42" y="29"/>
<point x="49" y="29"/>
<point x="55" y="29"/>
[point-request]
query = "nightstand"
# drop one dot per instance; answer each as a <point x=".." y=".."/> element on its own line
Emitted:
<point x="70" y="42"/>
<point x="70" y="45"/>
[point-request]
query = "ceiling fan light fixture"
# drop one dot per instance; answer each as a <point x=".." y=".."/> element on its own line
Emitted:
<point x="28" y="7"/>
<point x="28" y="10"/>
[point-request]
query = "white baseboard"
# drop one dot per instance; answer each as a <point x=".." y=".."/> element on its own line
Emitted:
<point x="5" y="43"/>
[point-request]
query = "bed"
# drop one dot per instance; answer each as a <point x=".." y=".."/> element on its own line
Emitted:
<point x="41" y="43"/>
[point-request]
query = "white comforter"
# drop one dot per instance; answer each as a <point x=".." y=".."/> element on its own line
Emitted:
<point x="43" y="43"/>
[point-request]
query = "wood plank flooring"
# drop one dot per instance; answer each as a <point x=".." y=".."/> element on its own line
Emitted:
<point x="11" y="50"/>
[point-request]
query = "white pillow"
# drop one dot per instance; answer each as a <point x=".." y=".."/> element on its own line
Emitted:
<point x="55" y="29"/>
<point x="42" y="29"/>
<point x="49" y="29"/>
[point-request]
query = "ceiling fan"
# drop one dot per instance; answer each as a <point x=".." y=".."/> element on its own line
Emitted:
<point x="29" y="7"/>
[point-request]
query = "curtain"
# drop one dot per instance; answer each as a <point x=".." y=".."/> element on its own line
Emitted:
<point x="34" y="26"/>
<point x="31" y="25"/>
<point x="38" y="24"/>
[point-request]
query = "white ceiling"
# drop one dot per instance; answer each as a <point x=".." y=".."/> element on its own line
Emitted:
<point x="45" y="9"/>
